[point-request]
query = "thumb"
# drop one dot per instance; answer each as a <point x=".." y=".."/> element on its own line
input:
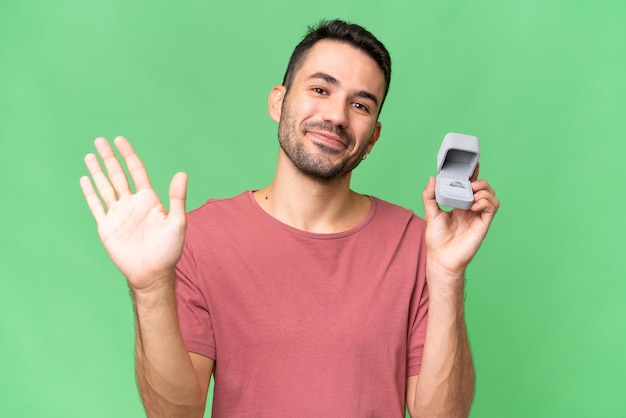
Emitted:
<point x="178" y="194"/>
<point x="431" y="207"/>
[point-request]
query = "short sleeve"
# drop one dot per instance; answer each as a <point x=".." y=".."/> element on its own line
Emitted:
<point x="193" y="311"/>
<point x="418" y="317"/>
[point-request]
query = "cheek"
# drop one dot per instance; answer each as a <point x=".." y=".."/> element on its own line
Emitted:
<point x="297" y="113"/>
<point x="306" y="110"/>
<point x="369" y="130"/>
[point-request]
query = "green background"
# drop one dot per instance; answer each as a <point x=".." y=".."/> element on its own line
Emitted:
<point x="542" y="83"/>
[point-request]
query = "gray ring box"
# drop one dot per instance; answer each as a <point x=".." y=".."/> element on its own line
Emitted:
<point x="456" y="161"/>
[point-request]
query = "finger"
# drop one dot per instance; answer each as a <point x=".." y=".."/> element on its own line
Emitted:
<point x="474" y="175"/>
<point x="178" y="195"/>
<point x="116" y="174"/>
<point x="93" y="201"/>
<point x="431" y="208"/>
<point x="485" y="201"/>
<point x="106" y="191"/>
<point x="482" y="185"/>
<point x="133" y="163"/>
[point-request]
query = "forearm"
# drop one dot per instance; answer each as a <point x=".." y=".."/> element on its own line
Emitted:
<point x="167" y="380"/>
<point x="445" y="386"/>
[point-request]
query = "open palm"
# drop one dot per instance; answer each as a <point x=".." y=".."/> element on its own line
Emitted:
<point x="144" y="241"/>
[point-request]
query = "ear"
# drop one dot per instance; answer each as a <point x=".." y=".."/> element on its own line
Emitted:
<point x="275" y="102"/>
<point x="375" y="136"/>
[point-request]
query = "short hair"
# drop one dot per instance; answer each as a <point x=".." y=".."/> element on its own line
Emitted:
<point x="340" y="31"/>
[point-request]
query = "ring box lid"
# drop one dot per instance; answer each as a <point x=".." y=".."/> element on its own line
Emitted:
<point x="456" y="162"/>
<point x="458" y="156"/>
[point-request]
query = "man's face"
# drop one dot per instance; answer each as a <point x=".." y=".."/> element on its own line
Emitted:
<point x="328" y="118"/>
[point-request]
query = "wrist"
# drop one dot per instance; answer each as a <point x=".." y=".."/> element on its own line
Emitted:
<point x="156" y="293"/>
<point x="445" y="271"/>
<point x="444" y="283"/>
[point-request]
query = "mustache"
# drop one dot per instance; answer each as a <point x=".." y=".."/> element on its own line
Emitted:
<point x="329" y="127"/>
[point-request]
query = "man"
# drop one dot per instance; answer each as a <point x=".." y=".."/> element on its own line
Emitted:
<point x="303" y="298"/>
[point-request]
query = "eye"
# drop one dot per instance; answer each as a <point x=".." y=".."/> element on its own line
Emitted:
<point x="319" y="90"/>
<point x="361" y="106"/>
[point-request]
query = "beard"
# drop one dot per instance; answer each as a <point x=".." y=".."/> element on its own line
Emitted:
<point x="318" y="166"/>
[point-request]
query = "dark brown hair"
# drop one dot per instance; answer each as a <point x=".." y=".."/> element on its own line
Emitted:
<point x="338" y="30"/>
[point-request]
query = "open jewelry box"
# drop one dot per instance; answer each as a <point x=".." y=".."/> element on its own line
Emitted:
<point x="456" y="162"/>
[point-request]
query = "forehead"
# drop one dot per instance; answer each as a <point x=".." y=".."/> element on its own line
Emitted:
<point x="352" y="67"/>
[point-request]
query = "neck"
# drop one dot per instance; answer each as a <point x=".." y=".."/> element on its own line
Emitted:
<point x="310" y="204"/>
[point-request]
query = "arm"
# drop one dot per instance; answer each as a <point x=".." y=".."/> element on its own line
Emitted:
<point x="172" y="382"/>
<point x="445" y="386"/>
<point x="145" y="242"/>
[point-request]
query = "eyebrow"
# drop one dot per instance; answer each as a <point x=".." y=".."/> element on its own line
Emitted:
<point x="332" y="80"/>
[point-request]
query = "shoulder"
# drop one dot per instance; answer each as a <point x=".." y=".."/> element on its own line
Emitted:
<point x="391" y="212"/>
<point x="222" y="206"/>
<point x="220" y="216"/>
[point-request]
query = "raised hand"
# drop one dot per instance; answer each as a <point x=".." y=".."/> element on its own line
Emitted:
<point x="144" y="241"/>
<point x="453" y="238"/>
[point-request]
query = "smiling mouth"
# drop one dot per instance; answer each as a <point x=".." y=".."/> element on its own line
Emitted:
<point x="327" y="134"/>
<point x="327" y="142"/>
<point x="328" y="137"/>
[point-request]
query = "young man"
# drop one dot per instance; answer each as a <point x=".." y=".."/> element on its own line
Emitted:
<point x="303" y="298"/>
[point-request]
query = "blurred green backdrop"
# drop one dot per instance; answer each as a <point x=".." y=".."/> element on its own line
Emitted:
<point x="541" y="83"/>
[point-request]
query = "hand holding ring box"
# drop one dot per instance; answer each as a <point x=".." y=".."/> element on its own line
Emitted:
<point x="456" y="161"/>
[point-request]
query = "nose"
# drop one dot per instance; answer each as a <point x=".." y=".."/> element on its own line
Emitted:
<point x="335" y="111"/>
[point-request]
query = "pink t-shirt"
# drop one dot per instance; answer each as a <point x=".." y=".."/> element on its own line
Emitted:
<point x="302" y="324"/>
